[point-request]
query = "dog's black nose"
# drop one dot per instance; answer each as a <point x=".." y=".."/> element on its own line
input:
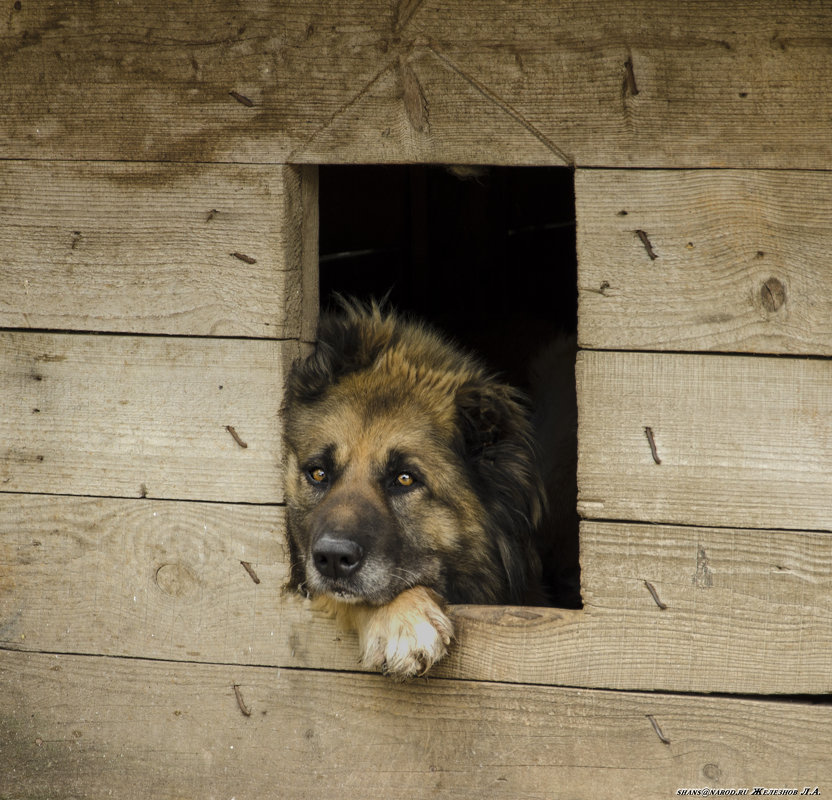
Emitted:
<point x="336" y="557"/>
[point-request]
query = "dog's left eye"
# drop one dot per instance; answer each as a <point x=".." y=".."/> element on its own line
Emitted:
<point x="403" y="482"/>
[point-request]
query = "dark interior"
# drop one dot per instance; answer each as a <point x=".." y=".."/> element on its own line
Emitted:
<point x="486" y="255"/>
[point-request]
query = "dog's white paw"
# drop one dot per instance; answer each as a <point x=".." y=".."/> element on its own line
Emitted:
<point x="406" y="637"/>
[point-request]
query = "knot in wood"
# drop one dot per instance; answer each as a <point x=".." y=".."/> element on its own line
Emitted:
<point x="176" y="580"/>
<point x="773" y="294"/>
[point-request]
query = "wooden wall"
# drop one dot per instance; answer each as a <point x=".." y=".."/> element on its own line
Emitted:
<point x="632" y="83"/>
<point x="158" y="272"/>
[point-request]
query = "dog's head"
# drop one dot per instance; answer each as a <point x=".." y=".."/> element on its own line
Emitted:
<point x="407" y="464"/>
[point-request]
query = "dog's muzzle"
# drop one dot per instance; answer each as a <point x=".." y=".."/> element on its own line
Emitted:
<point x="337" y="557"/>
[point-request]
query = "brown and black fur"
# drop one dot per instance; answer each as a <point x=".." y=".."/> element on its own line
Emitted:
<point x="384" y="401"/>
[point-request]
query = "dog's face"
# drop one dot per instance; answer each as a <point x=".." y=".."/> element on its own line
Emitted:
<point x="393" y="441"/>
<point x="379" y="501"/>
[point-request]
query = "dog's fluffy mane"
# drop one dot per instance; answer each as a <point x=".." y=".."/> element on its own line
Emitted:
<point x="493" y="431"/>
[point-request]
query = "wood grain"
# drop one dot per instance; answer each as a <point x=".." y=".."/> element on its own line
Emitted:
<point x="309" y="224"/>
<point x="143" y="578"/>
<point x="165" y="580"/>
<point x="737" y="601"/>
<point x="746" y="611"/>
<point x="141" y="416"/>
<point x="638" y="83"/>
<point x="76" y="727"/>
<point x="740" y="260"/>
<point x="743" y="441"/>
<point x="147" y="248"/>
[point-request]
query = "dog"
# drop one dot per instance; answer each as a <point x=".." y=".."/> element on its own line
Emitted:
<point x="413" y="481"/>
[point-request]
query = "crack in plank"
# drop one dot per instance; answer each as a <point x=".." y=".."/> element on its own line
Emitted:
<point x="405" y="11"/>
<point x="415" y="102"/>
<point x="506" y="107"/>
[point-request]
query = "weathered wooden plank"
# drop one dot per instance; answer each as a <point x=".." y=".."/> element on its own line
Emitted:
<point x="77" y="727"/>
<point x="742" y="441"/>
<point x="705" y="260"/>
<point x="141" y="416"/>
<point x="156" y="579"/>
<point x="308" y="210"/>
<point x="747" y="611"/>
<point x="743" y="607"/>
<point x="638" y="83"/>
<point x="148" y="248"/>
<point x="143" y="578"/>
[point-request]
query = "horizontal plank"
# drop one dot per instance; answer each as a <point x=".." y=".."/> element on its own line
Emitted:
<point x="165" y="580"/>
<point x="642" y="83"/>
<point x="141" y="416"/>
<point x="76" y="727"/>
<point x="746" y="608"/>
<point x="705" y="260"/>
<point x="745" y="611"/>
<point x="148" y="248"/>
<point x="742" y="441"/>
<point x="158" y="579"/>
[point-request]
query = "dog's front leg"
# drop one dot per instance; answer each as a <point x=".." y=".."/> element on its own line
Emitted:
<point x="403" y="638"/>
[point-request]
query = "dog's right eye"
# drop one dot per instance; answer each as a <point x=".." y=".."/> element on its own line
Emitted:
<point x="317" y="476"/>
<point x="403" y="482"/>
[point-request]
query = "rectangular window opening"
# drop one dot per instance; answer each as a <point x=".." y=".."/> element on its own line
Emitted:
<point x="488" y="256"/>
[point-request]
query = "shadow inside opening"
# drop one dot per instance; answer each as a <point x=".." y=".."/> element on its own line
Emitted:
<point x="487" y="256"/>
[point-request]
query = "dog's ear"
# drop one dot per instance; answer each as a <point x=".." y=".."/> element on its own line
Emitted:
<point x="347" y="341"/>
<point x="492" y="414"/>
<point x="501" y="452"/>
<point x="483" y="415"/>
<point x="499" y="443"/>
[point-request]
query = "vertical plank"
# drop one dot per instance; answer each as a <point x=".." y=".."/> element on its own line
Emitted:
<point x="310" y="223"/>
